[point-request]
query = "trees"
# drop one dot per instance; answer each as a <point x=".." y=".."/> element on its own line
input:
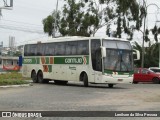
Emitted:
<point x="75" y="19"/>
<point x="155" y="32"/>
<point x="151" y="53"/>
<point x="85" y="17"/>
<point x="128" y="11"/>
<point x="48" y="22"/>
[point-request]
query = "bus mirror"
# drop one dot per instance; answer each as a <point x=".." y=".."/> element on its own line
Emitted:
<point x="136" y="54"/>
<point x="103" y="51"/>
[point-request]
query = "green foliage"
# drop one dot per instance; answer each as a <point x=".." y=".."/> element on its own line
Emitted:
<point x="79" y="22"/>
<point x="155" y="32"/>
<point x="17" y="53"/>
<point x="47" y="25"/>
<point x="129" y="11"/>
<point x="12" y="78"/>
<point x="85" y="17"/>
<point x="48" y="22"/>
<point x="150" y="56"/>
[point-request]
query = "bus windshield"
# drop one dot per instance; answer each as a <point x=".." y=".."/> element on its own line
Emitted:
<point x="118" y="56"/>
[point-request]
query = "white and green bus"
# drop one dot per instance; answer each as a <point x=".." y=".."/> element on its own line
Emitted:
<point x="83" y="59"/>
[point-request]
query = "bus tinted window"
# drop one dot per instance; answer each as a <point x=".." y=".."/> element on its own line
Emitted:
<point x="41" y="49"/>
<point x="32" y="50"/>
<point x="83" y="47"/>
<point x="60" y="48"/>
<point x="50" y="49"/>
<point x="71" y="48"/>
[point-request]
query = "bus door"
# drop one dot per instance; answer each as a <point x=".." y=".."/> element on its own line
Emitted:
<point x="96" y="61"/>
<point x="98" y="66"/>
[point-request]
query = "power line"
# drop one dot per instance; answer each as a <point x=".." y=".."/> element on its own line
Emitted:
<point x="21" y="29"/>
<point x="22" y="26"/>
<point x="21" y="22"/>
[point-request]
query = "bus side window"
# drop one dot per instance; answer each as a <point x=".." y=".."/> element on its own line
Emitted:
<point x="49" y="49"/>
<point x="40" y="49"/>
<point x="71" y="48"/>
<point x="60" y="48"/>
<point x="33" y="50"/>
<point x="68" y="49"/>
<point x="83" y="47"/>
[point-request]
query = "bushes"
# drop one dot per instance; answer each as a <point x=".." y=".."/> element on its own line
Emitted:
<point x="12" y="78"/>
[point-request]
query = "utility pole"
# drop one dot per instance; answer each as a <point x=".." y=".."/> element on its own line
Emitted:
<point x="55" y="21"/>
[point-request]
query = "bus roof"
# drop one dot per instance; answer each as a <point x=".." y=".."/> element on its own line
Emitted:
<point x="73" y="38"/>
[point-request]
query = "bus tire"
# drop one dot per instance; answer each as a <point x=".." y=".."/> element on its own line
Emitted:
<point x="85" y="80"/>
<point x="34" y="77"/>
<point x="110" y="85"/>
<point x="40" y="77"/>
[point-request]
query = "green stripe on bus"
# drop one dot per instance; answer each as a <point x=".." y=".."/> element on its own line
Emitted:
<point x="47" y="60"/>
<point x="58" y="60"/>
<point x="49" y="68"/>
<point x="119" y="73"/>
<point x="68" y="60"/>
<point x="38" y="60"/>
<point x="30" y="61"/>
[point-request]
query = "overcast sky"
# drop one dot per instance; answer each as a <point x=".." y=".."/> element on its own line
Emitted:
<point x="27" y="15"/>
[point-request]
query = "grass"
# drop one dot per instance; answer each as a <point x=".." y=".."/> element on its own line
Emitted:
<point x="12" y="78"/>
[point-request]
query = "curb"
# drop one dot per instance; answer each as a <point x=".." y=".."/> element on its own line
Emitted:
<point x="13" y="86"/>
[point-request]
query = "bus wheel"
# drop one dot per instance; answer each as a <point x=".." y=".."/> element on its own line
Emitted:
<point x="110" y="85"/>
<point x="85" y="80"/>
<point x="40" y="77"/>
<point x="34" y="77"/>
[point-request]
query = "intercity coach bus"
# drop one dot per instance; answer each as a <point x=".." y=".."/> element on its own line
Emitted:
<point x="83" y="59"/>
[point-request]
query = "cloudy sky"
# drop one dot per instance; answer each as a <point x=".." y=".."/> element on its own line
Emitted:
<point x="27" y="16"/>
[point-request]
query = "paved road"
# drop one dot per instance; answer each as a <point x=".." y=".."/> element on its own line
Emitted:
<point x="75" y="97"/>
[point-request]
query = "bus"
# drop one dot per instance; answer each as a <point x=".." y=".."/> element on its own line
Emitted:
<point x="84" y="59"/>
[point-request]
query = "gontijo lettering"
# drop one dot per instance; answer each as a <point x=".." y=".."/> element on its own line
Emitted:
<point x="73" y="60"/>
